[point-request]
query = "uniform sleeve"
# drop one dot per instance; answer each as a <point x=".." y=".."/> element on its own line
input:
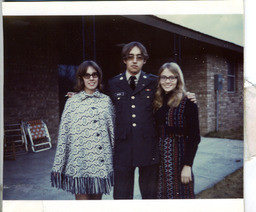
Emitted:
<point x="110" y="121"/>
<point x="107" y="89"/>
<point x="62" y="145"/>
<point x="192" y="132"/>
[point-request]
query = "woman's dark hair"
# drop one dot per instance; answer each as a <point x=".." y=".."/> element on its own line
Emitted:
<point x="82" y="70"/>
<point x="128" y="47"/>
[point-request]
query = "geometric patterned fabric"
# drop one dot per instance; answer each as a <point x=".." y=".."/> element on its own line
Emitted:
<point x="174" y="146"/>
<point x="37" y="129"/>
<point x="83" y="161"/>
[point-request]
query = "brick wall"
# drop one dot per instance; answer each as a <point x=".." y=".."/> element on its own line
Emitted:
<point x="194" y="70"/>
<point x="199" y="70"/>
<point x="230" y="103"/>
<point x="31" y="92"/>
<point x="215" y="65"/>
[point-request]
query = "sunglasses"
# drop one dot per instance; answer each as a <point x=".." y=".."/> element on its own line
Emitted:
<point x="132" y="57"/>
<point x="93" y="75"/>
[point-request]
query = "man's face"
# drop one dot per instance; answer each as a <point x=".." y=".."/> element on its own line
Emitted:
<point x="134" y="61"/>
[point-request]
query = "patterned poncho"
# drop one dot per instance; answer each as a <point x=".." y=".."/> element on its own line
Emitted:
<point x="83" y="160"/>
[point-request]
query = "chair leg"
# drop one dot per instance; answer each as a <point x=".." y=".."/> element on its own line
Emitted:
<point x="13" y="151"/>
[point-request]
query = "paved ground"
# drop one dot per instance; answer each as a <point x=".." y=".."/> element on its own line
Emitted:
<point x="28" y="178"/>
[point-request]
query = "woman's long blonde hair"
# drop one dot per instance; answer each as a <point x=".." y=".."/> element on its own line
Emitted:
<point x="177" y="94"/>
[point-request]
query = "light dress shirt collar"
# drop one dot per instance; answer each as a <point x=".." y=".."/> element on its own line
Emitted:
<point x="128" y="75"/>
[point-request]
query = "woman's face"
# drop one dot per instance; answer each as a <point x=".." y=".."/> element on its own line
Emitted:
<point x="91" y="80"/>
<point x="168" y="80"/>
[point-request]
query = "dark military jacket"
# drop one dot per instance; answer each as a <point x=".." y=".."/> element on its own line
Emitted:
<point x="136" y="141"/>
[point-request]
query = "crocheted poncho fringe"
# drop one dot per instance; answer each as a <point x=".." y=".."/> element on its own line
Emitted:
<point x="82" y="185"/>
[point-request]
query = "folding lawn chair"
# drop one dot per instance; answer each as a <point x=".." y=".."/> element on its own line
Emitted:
<point x="15" y="141"/>
<point x="39" y="136"/>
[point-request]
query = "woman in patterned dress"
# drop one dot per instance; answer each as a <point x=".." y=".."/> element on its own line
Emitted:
<point x="83" y="160"/>
<point x="179" y="136"/>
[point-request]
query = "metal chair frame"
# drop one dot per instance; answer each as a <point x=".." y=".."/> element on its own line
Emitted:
<point x="14" y="139"/>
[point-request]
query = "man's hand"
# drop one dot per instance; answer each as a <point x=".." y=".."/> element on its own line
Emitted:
<point x="70" y="94"/>
<point x="191" y="96"/>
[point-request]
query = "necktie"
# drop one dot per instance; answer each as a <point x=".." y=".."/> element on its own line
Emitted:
<point x="132" y="82"/>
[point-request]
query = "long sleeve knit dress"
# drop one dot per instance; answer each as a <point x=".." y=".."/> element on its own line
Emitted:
<point x="179" y="137"/>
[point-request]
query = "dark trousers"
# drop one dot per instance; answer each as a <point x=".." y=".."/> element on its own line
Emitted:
<point x="124" y="182"/>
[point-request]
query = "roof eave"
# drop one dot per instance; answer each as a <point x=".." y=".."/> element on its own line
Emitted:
<point x="183" y="31"/>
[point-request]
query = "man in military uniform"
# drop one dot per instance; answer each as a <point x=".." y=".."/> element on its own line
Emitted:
<point x="136" y="143"/>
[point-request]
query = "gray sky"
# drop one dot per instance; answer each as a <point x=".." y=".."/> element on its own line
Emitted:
<point x="226" y="27"/>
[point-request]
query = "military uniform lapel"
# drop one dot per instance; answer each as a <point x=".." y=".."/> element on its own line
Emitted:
<point x="144" y="80"/>
<point x="122" y="82"/>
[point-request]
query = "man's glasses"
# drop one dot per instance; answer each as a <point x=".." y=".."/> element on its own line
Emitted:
<point x="171" y="78"/>
<point x="132" y="57"/>
<point x="93" y="75"/>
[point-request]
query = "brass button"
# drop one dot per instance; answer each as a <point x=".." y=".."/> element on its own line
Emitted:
<point x="133" y="97"/>
<point x="118" y="98"/>
<point x="133" y="115"/>
<point x="134" y="124"/>
<point x="133" y="106"/>
<point x="148" y="97"/>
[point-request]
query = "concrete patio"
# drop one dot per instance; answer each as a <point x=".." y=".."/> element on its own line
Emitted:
<point x="28" y="178"/>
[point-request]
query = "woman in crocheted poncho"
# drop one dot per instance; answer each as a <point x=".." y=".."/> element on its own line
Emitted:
<point x="83" y="161"/>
